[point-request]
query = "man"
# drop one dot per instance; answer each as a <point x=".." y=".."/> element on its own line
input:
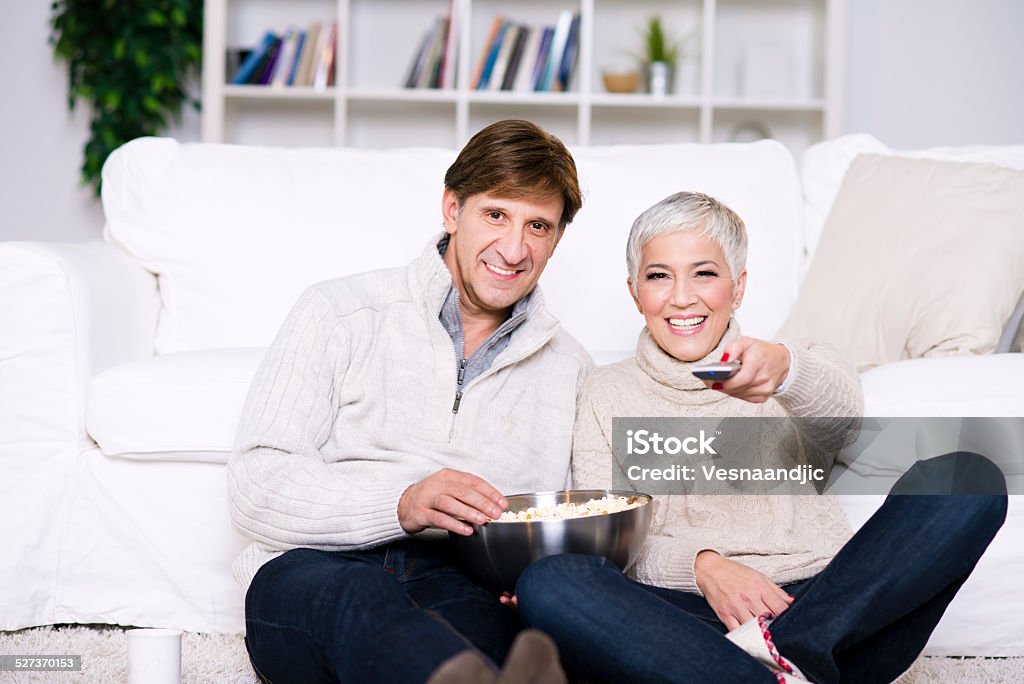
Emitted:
<point x="397" y="404"/>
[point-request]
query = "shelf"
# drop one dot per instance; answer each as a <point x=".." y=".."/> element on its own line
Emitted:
<point x="751" y="105"/>
<point x="262" y="92"/>
<point x="750" y="65"/>
<point x="520" y="98"/>
<point x="641" y="100"/>
<point x="402" y="95"/>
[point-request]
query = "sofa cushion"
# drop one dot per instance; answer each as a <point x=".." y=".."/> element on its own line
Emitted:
<point x="174" y="407"/>
<point x="824" y="164"/>
<point x="918" y="258"/>
<point x="585" y="282"/>
<point x="984" y="392"/>
<point x="235" y="233"/>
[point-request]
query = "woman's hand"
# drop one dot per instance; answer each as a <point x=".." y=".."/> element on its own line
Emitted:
<point x="764" y="369"/>
<point x="736" y="592"/>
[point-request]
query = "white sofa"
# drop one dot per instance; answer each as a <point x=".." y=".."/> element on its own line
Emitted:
<point x="124" y="362"/>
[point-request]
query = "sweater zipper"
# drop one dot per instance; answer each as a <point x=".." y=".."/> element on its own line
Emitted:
<point x="463" y="362"/>
<point x="458" y="390"/>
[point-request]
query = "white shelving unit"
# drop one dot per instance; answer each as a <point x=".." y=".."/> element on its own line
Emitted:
<point x="773" y="64"/>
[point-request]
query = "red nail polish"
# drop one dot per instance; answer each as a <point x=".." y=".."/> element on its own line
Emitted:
<point x="725" y="357"/>
<point x="717" y="385"/>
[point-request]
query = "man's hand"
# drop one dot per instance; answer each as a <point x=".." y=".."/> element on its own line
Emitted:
<point x="765" y="366"/>
<point x="736" y="592"/>
<point x="447" y="498"/>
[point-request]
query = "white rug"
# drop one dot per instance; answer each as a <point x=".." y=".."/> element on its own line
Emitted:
<point x="221" y="659"/>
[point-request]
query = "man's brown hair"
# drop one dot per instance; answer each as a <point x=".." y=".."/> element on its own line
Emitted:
<point x="516" y="159"/>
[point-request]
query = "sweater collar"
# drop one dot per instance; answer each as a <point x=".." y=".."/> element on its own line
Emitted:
<point x="430" y="275"/>
<point x="667" y="370"/>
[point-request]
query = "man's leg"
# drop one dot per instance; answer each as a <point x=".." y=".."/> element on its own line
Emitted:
<point x="869" y="613"/>
<point x="430" y="575"/>
<point x="611" y="629"/>
<point x="314" y="616"/>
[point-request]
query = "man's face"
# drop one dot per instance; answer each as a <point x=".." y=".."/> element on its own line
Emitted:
<point x="498" y="247"/>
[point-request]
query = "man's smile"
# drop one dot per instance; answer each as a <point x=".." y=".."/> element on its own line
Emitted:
<point x="503" y="273"/>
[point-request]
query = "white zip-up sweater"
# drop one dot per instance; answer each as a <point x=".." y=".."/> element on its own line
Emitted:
<point x="354" y="402"/>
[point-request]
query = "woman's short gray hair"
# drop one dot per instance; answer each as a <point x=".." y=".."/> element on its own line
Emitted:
<point x="689" y="211"/>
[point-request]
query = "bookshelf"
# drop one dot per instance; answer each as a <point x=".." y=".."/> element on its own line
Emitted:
<point x="772" y="65"/>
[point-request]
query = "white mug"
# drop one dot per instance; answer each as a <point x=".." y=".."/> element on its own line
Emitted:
<point x="154" y="656"/>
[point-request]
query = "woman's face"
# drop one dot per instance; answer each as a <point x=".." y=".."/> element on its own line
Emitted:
<point x="686" y="293"/>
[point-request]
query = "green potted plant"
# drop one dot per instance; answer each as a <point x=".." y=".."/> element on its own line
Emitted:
<point x="131" y="62"/>
<point x="660" y="56"/>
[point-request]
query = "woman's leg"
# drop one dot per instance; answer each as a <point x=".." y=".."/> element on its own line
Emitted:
<point x="610" y="628"/>
<point x="868" y="615"/>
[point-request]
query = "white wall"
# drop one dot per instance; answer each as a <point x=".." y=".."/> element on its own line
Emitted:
<point x="918" y="73"/>
<point x="41" y="142"/>
<point x="921" y="73"/>
<point x="40" y="196"/>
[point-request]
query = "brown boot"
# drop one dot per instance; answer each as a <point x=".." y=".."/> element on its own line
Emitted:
<point x="468" y="667"/>
<point x="532" y="660"/>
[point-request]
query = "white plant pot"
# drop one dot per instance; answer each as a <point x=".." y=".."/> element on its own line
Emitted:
<point x="660" y="77"/>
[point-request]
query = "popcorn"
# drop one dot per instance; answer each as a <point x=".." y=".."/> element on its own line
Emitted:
<point x="564" y="511"/>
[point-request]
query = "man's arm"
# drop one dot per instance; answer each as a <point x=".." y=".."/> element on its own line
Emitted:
<point x="280" y="489"/>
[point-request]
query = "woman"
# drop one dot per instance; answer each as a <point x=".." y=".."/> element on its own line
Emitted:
<point x="795" y="594"/>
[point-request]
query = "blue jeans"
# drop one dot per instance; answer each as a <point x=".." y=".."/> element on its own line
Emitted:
<point x="862" y="619"/>
<point x="388" y="614"/>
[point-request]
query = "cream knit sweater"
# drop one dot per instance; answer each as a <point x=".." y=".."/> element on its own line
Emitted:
<point x="354" y="402"/>
<point x="786" y="537"/>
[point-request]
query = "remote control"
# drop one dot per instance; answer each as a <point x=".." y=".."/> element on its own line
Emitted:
<point x="717" y="371"/>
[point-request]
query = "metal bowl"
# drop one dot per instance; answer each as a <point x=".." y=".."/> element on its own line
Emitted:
<point x="498" y="552"/>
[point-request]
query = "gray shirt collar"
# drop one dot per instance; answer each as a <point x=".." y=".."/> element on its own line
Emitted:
<point x="484" y="356"/>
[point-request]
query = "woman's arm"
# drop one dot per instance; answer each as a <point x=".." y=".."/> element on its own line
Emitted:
<point x="821" y="391"/>
<point x="664" y="560"/>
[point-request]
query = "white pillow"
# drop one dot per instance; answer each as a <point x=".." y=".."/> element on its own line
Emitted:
<point x="235" y="233"/>
<point x="585" y="282"/>
<point x="823" y="166"/>
<point x="918" y="258"/>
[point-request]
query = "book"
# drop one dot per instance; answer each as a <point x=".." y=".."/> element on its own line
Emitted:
<point x="451" y="49"/>
<point x="492" y="58"/>
<point x="266" y="68"/>
<point x="542" y="57"/>
<point x="528" y="59"/>
<point x="554" y="59"/>
<point x="299" y="43"/>
<point x="304" y="74"/>
<point x="431" y="70"/>
<point x="504" y="54"/>
<point x="332" y="69"/>
<point x="284" y="61"/>
<point x="233" y="60"/>
<point x="419" y="58"/>
<point x="252" y="62"/>
<point x="514" y="60"/>
<point x="572" y="46"/>
<point x="485" y="53"/>
<point x="322" y="75"/>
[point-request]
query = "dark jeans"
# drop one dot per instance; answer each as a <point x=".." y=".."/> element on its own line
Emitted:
<point x="389" y="614"/>
<point x="862" y="619"/>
